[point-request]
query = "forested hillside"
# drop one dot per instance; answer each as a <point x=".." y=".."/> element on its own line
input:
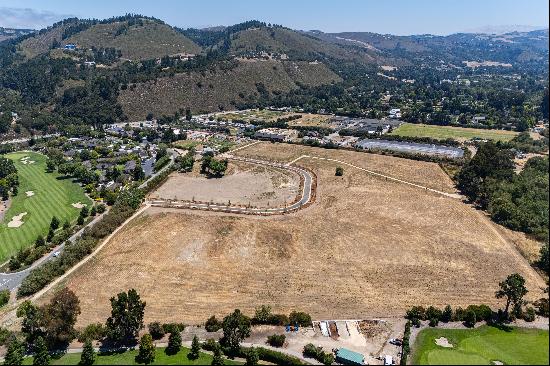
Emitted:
<point x="81" y="72"/>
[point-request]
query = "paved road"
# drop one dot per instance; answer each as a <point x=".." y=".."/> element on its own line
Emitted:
<point x="170" y="163"/>
<point x="305" y="197"/>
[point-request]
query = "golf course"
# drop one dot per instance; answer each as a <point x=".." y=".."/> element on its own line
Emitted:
<point x="446" y="132"/>
<point x="481" y="346"/>
<point x="41" y="196"/>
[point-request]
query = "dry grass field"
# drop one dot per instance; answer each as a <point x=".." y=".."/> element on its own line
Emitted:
<point x="366" y="248"/>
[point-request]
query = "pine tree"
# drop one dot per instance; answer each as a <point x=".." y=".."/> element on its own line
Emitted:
<point x="88" y="354"/>
<point x="174" y="343"/>
<point x="41" y="356"/>
<point x="195" y="349"/>
<point x="218" y="358"/>
<point x="14" y="356"/>
<point x="146" y="353"/>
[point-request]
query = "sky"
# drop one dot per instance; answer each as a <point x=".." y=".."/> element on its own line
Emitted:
<point x="402" y="17"/>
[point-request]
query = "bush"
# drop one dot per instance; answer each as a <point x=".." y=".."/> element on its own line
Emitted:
<point x="433" y="313"/>
<point x="4" y="297"/>
<point x="434" y="322"/>
<point x="276" y="358"/>
<point x="276" y="340"/>
<point x="543" y="308"/>
<point x="209" y="345"/>
<point x="212" y="324"/>
<point x="278" y="319"/>
<point x="317" y="353"/>
<point x="483" y="312"/>
<point x="447" y="314"/>
<point x="300" y="318"/>
<point x="416" y="312"/>
<point x="94" y="331"/>
<point x="173" y="327"/>
<point x="339" y="171"/>
<point x="529" y="314"/>
<point x="156" y="330"/>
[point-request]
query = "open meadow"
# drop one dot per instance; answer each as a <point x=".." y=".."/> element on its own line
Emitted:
<point x="481" y="346"/>
<point x="41" y="196"/>
<point x="367" y="247"/>
<point x="446" y="132"/>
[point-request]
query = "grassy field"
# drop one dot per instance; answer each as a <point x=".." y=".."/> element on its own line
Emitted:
<point x="457" y="133"/>
<point x="481" y="346"/>
<point x="189" y="265"/>
<point x="52" y="197"/>
<point x="129" y="358"/>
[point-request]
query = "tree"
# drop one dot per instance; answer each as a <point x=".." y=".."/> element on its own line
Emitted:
<point x="188" y="114"/>
<point x="218" y="358"/>
<point x="146" y="352"/>
<point x="470" y="318"/>
<point x="212" y="324"/>
<point x="138" y="173"/>
<point x="300" y="318"/>
<point x="262" y="315"/>
<point x="126" y="318"/>
<point x="339" y="171"/>
<point x="59" y="318"/>
<point x="174" y="343"/>
<point x="15" y="353"/>
<point x="236" y="327"/>
<point x="88" y="354"/>
<point x="156" y="331"/>
<point x="447" y="314"/>
<point x="513" y="289"/>
<point x="195" y="349"/>
<point x="54" y="224"/>
<point x="41" y="355"/>
<point x="32" y="319"/>
<point x="252" y="357"/>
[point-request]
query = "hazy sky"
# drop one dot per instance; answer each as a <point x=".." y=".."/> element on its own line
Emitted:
<point x="387" y="16"/>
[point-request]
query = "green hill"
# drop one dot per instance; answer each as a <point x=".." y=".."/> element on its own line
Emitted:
<point x="139" y="41"/>
<point x="221" y="89"/>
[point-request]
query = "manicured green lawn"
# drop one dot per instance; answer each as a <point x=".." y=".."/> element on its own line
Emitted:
<point x="128" y="358"/>
<point x="52" y="196"/>
<point x="481" y="346"/>
<point x="445" y="132"/>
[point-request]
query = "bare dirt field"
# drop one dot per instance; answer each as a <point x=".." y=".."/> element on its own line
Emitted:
<point x="367" y="248"/>
<point x="244" y="184"/>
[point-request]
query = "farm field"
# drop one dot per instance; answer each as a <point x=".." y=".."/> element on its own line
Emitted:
<point x="482" y="346"/>
<point x="457" y="133"/>
<point x="341" y="258"/>
<point x="128" y="358"/>
<point x="47" y="196"/>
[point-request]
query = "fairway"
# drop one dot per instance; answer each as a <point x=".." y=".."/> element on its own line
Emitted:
<point x="51" y="197"/>
<point x="128" y="358"/>
<point x="457" y="133"/>
<point x="481" y="346"/>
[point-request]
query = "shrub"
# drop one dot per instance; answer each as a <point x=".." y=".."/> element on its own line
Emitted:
<point x="416" y="312"/>
<point x="529" y="314"/>
<point x="209" y="345"/>
<point x="483" y="312"/>
<point x="278" y="319"/>
<point x="156" y="330"/>
<point x="317" y="353"/>
<point x="276" y="340"/>
<point x="212" y="324"/>
<point x="4" y="297"/>
<point x="339" y="171"/>
<point x="434" y="322"/>
<point x="173" y="327"/>
<point x="300" y="318"/>
<point x="543" y="308"/>
<point x="94" y="331"/>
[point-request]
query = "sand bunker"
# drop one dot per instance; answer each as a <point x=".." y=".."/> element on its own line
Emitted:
<point x="443" y="342"/>
<point x="78" y="205"/>
<point x="25" y="160"/>
<point x="29" y="193"/>
<point x="17" y="221"/>
<point x="495" y="362"/>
